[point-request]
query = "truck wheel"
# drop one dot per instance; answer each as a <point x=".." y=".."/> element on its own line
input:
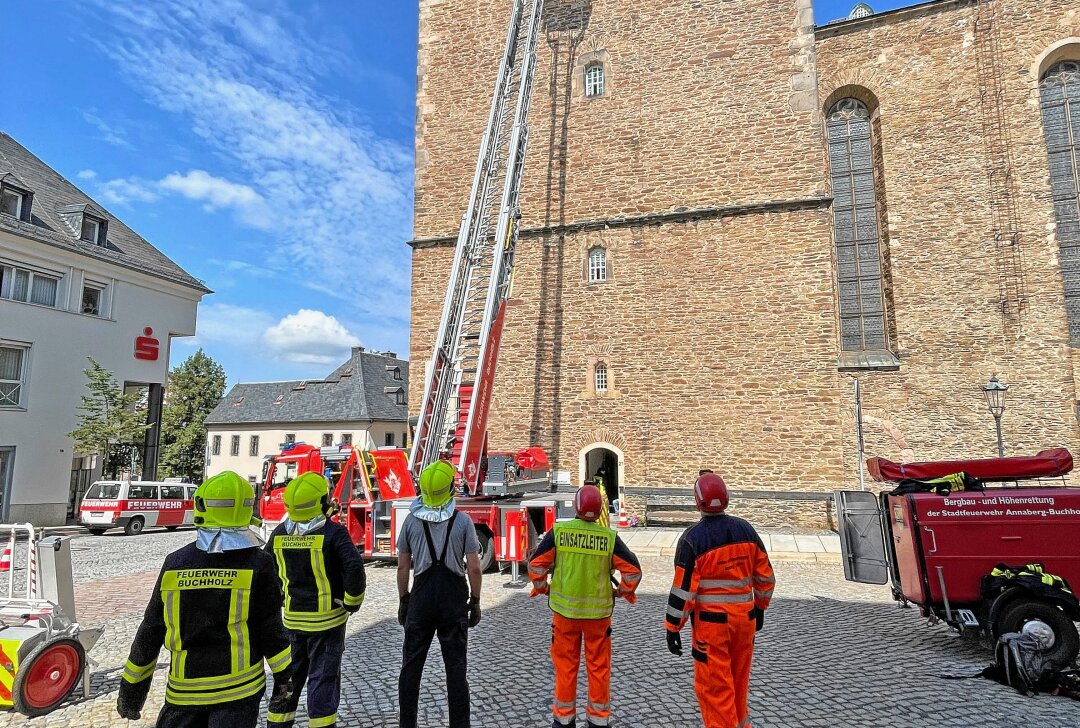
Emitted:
<point x="134" y="527"/>
<point x="47" y="676"/>
<point x="97" y="531"/>
<point x="1066" y="640"/>
<point x="487" y="550"/>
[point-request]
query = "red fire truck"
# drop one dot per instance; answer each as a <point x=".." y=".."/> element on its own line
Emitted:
<point x="374" y="489"/>
<point x="936" y="549"/>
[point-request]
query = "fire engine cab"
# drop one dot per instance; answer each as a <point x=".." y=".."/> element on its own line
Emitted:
<point x="936" y="549"/>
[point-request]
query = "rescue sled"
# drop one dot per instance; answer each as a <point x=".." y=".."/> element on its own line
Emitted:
<point x="936" y="549"/>
<point x="42" y="647"/>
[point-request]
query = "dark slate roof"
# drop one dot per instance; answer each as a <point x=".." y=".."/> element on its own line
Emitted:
<point x="53" y="195"/>
<point x="363" y="388"/>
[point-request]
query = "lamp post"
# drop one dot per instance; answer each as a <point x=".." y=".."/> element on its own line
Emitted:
<point x="994" y="391"/>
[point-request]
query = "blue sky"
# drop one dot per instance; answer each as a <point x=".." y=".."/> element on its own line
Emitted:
<point x="265" y="145"/>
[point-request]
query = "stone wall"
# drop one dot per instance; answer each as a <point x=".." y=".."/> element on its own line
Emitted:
<point x="719" y="327"/>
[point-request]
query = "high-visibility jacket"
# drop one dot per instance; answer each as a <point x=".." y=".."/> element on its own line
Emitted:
<point x="219" y="616"/>
<point x="720" y="567"/>
<point x="582" y="555"/>
<point x="321" y="573"/>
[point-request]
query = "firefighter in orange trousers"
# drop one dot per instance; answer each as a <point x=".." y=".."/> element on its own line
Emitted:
<point x="723" y="583"/>
<point x="581" y="555"/>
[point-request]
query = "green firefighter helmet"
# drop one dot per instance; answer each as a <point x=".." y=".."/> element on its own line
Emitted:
<point x="225" y="501"/>
<point x="306" y="497"/>
<point x="437" y="484"/>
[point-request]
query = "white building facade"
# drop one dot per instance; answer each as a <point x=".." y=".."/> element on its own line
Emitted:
<point x="75" y="282"/>
<point x="363" y="403"/>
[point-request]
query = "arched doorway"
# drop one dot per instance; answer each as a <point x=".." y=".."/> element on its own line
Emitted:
<point x="606" y="461"/>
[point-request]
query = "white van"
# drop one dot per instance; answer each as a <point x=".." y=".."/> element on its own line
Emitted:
<point x="136" y="505"/>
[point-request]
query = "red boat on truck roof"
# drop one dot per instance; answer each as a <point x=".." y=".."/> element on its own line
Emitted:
<point x="935" y="549"/>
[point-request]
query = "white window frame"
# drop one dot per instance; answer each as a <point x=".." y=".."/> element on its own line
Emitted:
<point x="9" y="273"/>
<point x="594" y="80"/>
<point x="600" y="377"/>
<point x="22" y="200"/>
<point x="253" y="446"/>
<point x="597" y="265"/>
<point x="98" y="224"/>
<point x="346" y="438"/>
<point x="21" y="382"/>
<point x="100" y="288"/>
<point x="234" y="446"/>
<point x="215" y="445"/>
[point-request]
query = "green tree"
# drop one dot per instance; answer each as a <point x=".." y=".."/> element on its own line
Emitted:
<point x="111" y="423"/>
<point x="195" y="387"/>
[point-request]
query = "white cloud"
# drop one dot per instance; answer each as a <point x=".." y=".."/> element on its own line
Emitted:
<point x="124" y="191"/>
<point x="309" y="337"/>
<point x="214" y="192"/>
<point x="247" y="82"/>
<point x="111" y="133"/>
<point x="87" y="174"/>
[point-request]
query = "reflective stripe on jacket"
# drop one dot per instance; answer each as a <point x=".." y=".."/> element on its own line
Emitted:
<point x="720" y="567"/>
<point x="219" y="616"/>
<point x="321" y="572"/>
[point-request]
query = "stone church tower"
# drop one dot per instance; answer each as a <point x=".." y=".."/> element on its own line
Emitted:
<point x="729" y="214"/>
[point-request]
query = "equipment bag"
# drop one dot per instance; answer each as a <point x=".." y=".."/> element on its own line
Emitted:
<point x="1020" y="661"/>
<point x="955" y="483"/>
<point x="1033" y="578"/>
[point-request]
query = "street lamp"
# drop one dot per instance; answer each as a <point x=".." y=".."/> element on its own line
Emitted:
<point x="994" y="391"/>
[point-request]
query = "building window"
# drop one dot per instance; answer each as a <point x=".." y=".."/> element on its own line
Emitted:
<point x="856" y="229"/>
<point x="594" y="80"/>
<point x="28" y="286"/>
<point x="327" y="439"/>
<point x="91" y="230"/>
<point x="12" y="376"/>
<point x="600" y="378"/>
<point x="597" y="265"/>
<point x="1059" y="94"/>
<point x="91" y="300"/>
<point x="215" y="448"/>
<point x="12" y="202"/>
<point x="389" y="439"/>
<point x="234" y="446"/>
<point x="404" y="439"/>
<point x="253" y="446"/>
<point x="346" y="438"/>
<point x="290" y="439"/>
<point x="399" y="397"/>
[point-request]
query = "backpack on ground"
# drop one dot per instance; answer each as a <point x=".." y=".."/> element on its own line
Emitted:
<point x="1020" y="660"/>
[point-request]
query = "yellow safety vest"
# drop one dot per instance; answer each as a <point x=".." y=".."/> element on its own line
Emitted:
<point x="581" y="584"/>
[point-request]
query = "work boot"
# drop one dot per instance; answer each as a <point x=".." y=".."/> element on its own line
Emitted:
<point x="556" y="724"/>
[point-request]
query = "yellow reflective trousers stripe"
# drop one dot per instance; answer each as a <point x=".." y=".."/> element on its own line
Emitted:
<point x="323" y="721"/>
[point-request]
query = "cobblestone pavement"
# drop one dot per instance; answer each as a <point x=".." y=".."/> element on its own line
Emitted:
<point x="832" y="654"/>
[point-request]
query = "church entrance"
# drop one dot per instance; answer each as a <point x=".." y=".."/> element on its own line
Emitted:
<point x="603" y="464"/>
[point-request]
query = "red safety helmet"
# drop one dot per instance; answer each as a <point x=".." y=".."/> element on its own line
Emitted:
<point x="711" y="494"/>
<point x="588" y="503"/>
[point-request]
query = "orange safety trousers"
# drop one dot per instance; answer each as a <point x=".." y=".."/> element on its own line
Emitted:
<point x="566" y="639"/>
<point x="722" y="654"/>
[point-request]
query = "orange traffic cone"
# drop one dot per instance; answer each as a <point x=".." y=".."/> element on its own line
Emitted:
<point x="624" y="520"/>
<point x="5" y="560"/>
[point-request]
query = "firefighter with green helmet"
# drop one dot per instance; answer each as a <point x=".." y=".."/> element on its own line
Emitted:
<point x="216" y="608"/>
<point x="322" y="575"/>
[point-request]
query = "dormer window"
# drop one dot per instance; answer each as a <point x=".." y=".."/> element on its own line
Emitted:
<point x="15" y="200"/>
<point x="398" y="393"/>
<point x="91" y="230"/>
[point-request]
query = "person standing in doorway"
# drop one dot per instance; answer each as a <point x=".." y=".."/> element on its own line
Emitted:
<point x="723" y="584"/>
<point x="439" y="545"/>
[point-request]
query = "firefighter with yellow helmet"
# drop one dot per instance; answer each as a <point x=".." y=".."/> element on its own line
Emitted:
<point x="322" y="575"/>
<point x="216" y="608"/>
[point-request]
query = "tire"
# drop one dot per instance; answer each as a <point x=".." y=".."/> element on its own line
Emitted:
<point x="170" y="529"/>
<point x="134" y="527"/>
<point x="487" y="550"/>
<point x="47" y="676"/>
<point x="97" y="531"/>
<point x="1024" y="610"/>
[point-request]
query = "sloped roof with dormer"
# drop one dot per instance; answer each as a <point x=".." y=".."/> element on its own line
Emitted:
<point x="364" y="388"/>
<point x="54" y="196"/>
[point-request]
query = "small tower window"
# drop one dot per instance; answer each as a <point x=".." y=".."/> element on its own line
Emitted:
<point x="594" y="80"/>
<point x="601" y="377"/>
<point x="597" y="265"/>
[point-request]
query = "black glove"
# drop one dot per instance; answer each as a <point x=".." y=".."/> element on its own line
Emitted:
<point x="283" y="690"/>
<point x="760" y="617"/>
<point x="474" y="611"/>
<point x="674" y="642"/>
<point x="128" y="706"/>
<point x="403" y="608"/>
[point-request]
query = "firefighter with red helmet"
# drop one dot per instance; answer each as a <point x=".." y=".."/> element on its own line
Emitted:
<point x="581" y="555"/>
<point x="723" y="583"/>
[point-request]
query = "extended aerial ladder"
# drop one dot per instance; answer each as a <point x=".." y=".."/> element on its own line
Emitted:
<point x="452" y="421"/>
